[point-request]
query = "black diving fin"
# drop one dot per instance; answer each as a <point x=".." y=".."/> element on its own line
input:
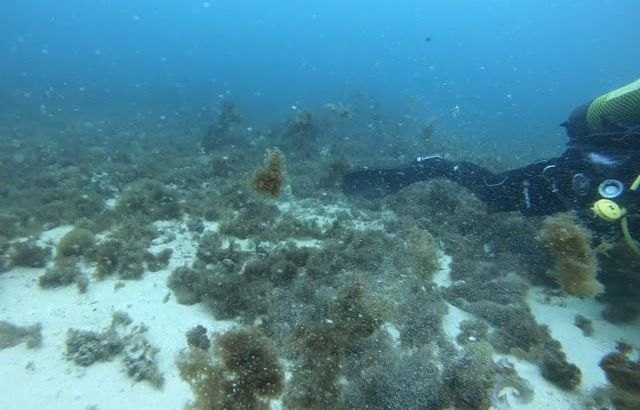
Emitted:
<point x="372" y="183"/>
<point x="366" y="183"/>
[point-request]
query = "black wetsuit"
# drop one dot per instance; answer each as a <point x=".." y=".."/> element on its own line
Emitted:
<point x="569" y="182"/>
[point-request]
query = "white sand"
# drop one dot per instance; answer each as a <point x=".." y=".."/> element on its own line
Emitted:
<point x="585" y="352"/>
<point x="43" y="378"/>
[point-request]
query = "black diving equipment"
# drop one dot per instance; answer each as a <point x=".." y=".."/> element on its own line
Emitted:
<point x="610" y="211"/>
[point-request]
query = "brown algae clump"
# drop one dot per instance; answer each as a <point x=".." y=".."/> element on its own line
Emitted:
<point x="424" y="248"/>
<point x="576" y="265"/>
<point x="246" y="376"/>
<point x="269" y="180"/>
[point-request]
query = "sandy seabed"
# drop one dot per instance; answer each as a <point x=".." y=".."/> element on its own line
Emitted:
<point x="44" y="378"/>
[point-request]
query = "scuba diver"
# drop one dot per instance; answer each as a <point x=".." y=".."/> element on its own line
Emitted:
<point x="598" y="173"/>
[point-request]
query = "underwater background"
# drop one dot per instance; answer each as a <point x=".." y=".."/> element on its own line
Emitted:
<point x="173" y="232"/>
<point x="514" y="69"/>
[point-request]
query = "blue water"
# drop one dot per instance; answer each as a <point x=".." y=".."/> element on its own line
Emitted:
<point x="496" y="69"/>
<point x="95" y="93"/>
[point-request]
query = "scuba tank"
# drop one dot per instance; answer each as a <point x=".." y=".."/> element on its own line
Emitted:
<point x="612" y="118"/>
<point x="619" y="107"/>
